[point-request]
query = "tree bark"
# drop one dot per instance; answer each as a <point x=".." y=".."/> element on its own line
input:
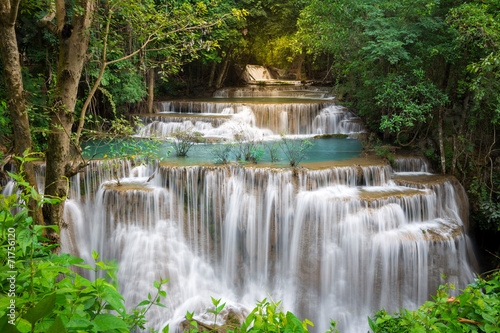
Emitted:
<point x="151" y="89"/>
<point x="212" y="74"/>
<point x="441" y="141"/>
<point x="16" y="100"/>
<point x="222" y="74"/>
<point x="456" y="153"/>
<point x="73" y="41"/>
<point x="298" y="75"/>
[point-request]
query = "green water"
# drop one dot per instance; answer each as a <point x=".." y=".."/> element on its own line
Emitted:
<point x="330" y="149"/>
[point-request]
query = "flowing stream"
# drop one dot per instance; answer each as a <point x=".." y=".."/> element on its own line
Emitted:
<point x="336" y="243"/>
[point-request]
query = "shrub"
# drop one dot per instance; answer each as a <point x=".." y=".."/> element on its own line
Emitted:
<point x="272" y="147"/>
<point x="221" y="153"/>
<point x="247" y="149"/>
<point x="477" y="309"/>
<point x="185" y="140"/>
<point x="294" y="149"/>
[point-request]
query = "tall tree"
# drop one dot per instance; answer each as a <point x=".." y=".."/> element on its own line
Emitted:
<point x="16" y="98"/>
<point x="72" y="31"/>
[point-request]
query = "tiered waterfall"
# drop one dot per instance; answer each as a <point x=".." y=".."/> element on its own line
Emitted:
<point x="336" y="243"/>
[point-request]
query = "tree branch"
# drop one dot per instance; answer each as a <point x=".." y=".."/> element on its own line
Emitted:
<point x="14" y="6"/>
<point x="61" y="14"/>
<point x="46" y="21"/>
<point x="97" y="83"/>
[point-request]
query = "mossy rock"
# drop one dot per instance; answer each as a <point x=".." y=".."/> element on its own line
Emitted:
<point x="329" y="136"/>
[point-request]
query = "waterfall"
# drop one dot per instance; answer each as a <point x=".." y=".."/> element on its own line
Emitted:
<point x="335" y="243"/>
<point x="217" y="119"/>
<point x="256" y="73"/>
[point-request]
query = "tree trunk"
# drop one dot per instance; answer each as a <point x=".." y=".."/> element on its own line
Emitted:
<point x="441" y="141"/>
<point x="460" y="134"/>
<point x="151" y="89"/>
<point x="222" y="74"/>
<point x="73" y="41"/>
<point x="212" y="74"/>
<point x="16" y="100"/>
<point x="298" y="75"/>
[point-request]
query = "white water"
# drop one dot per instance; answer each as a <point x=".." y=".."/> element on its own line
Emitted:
<point x="336" y="243"/>
<point x="261" y="120"/>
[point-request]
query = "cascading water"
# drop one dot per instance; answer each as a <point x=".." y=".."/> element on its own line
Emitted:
<point x="303" y="111"/>
<point x="335" y="243"/>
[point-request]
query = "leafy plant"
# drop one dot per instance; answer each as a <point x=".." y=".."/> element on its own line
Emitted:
<point x="41" y="292"/>
<point x="476" y="309"/>
<point x="221" y="153"/>
<point x="385" y="152"/>
<point x="269" y="317"/>
<point x="185" y="140"/>
<point x="487" y="193"/>
<point x="294" y="149"/>
<point x="247" y="149"/>
<point x="273" y="148"/>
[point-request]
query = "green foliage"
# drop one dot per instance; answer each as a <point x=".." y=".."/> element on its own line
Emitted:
<point x="409" y="99"/>
<point x="294" y="149"/>
<point x="385" y="152"/>
<point x="487" y="195"/>
<point x="185" y="140"/>
<point x="41" y="292"/>
<point x="5" y="129"/>
<point x="246" y="148"/>
<point x="272" y="148"/>
<point x="221" y="153"/>
<point x="476" y="309"/>
<point x="269" y="317"/>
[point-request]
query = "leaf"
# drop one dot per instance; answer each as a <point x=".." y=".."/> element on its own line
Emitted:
<point x="86" y="266"/>
<point x="143" y="303"/>
<point x="41" y="309"/>
<point x="5" y="327"/>
<point x="106" y="321"/>
<point x="79" y="324"/>
<point x="113" y="297"/>
<point x="24" y="239"/>
<point x="372" y="324"/>
<point x="24" y="326"/>
<point x="95" y="255"/>
<point x="215" y="301"/>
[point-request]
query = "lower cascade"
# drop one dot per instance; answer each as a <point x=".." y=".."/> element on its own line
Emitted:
<point x="337" y="243"/>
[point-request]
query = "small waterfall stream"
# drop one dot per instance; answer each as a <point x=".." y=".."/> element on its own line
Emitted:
<point x="334" y="243"/>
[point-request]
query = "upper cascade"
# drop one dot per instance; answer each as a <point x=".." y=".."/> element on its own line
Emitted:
<point x="253" y="73"/>
<point x="262" y="112"/>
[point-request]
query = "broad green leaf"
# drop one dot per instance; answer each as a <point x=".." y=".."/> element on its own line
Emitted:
<point x="106" y="321"/>
<point x="57" y="326"/>
<point x="23" y="325"/>
<point x="6" y="327"/>
<point x="41" y="309"/>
